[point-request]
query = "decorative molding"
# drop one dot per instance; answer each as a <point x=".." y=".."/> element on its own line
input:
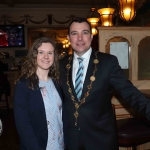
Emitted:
<point x="71" y="17"/>
<point x="4" y="18"/>
<point x="27" y="18"/>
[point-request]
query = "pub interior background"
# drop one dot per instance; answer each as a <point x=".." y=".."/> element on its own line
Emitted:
<point x="51" y="19"/>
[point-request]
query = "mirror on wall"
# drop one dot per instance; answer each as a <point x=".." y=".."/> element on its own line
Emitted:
<point x="58" y="35"/>
<point x="119" y="47"/>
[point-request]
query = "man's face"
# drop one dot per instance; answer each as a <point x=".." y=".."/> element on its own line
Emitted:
<point x="80" y="37"/>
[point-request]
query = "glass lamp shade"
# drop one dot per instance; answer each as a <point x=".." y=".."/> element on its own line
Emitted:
<point x="127" y="9"/>
<point x="67" y="45"/>
<point x="94" y="31"/>
<point x="106" y="16"/>
<point x="93" y="21"/>
<point x="64" y="46"/>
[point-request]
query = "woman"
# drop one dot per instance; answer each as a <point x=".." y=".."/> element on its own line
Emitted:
<point x="37" y="100"/>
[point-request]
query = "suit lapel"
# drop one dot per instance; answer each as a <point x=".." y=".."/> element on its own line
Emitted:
<point x="70" y="80"/>
<point x="89" y="73"/>
<point x="64" y="78"/>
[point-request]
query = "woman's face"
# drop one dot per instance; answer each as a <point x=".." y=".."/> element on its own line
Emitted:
<point x="45" y="56"/>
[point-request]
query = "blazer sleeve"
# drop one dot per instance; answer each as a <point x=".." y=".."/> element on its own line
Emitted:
<point x="127" y="90"/>
<point x="21" y="114"/>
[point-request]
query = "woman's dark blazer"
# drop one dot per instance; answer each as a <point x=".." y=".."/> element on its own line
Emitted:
<point x="96" y="122"/>
<point x="30" y="116"/>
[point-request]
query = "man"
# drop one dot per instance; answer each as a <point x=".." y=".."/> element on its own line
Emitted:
<point x="88" y="118"/>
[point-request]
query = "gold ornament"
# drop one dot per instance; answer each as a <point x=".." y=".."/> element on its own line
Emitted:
<point x="76" y="105"/>
<point x="82" y="101"/>
<point x="70" y="90"/>
<point x="72" y="97"/>
<point x="89" y="86"/>
<point x="76" y="114"/>
<point x="96" y="61"/>
<point x="87" y="94"/>
<point x="68" y="66"/>
<point x="67" y="82"/>
<point x="92" y="78"/>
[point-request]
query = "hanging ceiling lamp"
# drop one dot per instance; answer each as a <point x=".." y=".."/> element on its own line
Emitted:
<point x="93" y="20"/>
<point x="127" y="9"/>
<point x="106" y="16"/>
<point x="94" y="31"/>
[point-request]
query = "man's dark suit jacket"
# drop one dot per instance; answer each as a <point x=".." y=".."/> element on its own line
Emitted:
<point x="96" y="122"/>
<point x="30" y="116"/>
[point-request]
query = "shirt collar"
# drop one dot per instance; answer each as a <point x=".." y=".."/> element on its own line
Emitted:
<point x="85" y="56"/>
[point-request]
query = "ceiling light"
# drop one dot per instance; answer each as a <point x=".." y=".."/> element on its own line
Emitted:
<point x="93" y="19"/>
<point x="127" y="9"/>
<point x="106" y="16"/>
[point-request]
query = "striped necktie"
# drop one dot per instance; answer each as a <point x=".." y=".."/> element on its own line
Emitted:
<point x="79" y="78"/>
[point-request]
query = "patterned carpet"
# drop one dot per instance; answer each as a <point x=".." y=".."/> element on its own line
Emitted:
<point x="9" y="139"/>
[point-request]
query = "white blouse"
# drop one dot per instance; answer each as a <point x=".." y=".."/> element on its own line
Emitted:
<point x="53" y="110"/>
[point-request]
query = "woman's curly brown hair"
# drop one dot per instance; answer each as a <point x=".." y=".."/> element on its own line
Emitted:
<point x="29" y="67"/>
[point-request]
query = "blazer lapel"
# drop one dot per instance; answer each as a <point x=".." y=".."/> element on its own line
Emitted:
<point x="40" y="104"/>
<point x="57" y="86"/>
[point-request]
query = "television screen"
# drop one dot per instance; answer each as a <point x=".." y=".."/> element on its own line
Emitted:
<point x="12" y="36"/>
